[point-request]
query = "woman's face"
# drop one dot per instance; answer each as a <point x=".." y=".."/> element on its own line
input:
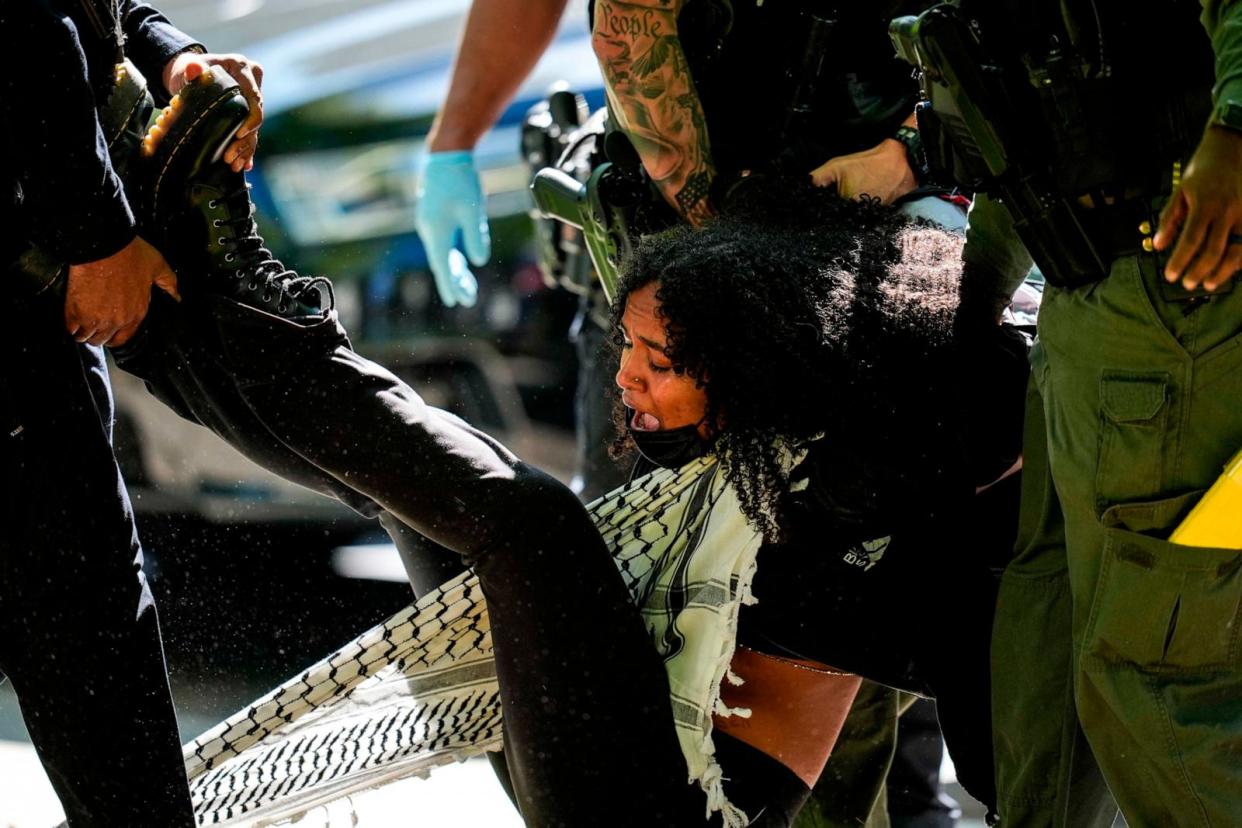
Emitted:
<point x="660" y="397"/>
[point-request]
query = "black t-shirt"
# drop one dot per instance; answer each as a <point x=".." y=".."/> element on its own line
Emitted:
<point x="851" y="586"/>
<point x="854" y="587"/>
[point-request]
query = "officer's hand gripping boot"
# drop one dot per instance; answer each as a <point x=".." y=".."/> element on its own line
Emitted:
<point x="198" y="211"/>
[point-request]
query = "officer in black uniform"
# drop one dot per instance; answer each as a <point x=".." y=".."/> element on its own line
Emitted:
<point x="79" y="637"/>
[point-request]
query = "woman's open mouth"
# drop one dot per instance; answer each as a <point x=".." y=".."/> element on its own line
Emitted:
<point x="642" y="421"/>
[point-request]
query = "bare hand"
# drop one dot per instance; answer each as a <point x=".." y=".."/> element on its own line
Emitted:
<point x="882" y="172"/>
<point x="106" y="300"/>
<point x="1207" y="209"/>
<point x="187" y="66"/>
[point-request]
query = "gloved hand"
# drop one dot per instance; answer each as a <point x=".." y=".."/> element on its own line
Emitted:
<point x="450" y="198"/>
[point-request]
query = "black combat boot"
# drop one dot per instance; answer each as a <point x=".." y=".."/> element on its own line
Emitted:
<point x="198" y="211"/>
<point x="215" y="238"/>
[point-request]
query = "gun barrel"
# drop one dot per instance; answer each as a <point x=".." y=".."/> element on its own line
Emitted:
<point x="560" y="196"/>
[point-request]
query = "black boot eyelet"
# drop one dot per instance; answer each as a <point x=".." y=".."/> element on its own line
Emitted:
<point x="215" y="223"/>
<point x="229" y="257"/>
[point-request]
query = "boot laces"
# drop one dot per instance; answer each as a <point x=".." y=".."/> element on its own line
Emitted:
<point x="265" y="272"/>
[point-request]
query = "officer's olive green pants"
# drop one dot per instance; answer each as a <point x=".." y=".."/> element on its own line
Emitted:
<point x="851" y="790"/>
<point x="1101" y="623"/>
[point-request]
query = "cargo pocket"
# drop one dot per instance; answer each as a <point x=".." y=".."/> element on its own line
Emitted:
<point x="1162" y="606"/>
<point x="1133" y="420"/>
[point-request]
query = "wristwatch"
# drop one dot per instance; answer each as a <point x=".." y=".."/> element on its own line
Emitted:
<point x="915" y="156"/>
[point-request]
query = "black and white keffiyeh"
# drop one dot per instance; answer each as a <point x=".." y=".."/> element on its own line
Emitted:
<point x="420" y="690"/>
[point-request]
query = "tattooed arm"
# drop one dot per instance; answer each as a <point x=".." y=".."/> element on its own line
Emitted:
<point x="652" y="96"/>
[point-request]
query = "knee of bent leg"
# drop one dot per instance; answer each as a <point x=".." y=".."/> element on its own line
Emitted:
<point x="548" y="506"/>
<point x="540" y="516"/>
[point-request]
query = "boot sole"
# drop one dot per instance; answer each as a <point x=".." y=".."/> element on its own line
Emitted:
<point x="191" y="132"/>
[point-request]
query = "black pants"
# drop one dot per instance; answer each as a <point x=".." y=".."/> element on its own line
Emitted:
<point x="588" y="722"/>
<point x="78" y="631"/>
<point x="595" y="472"/>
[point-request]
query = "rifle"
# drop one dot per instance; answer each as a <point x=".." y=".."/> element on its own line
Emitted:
<point x="974" y="133"/>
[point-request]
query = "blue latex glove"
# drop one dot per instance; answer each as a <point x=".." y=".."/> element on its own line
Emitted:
<point x="449" y="198"/>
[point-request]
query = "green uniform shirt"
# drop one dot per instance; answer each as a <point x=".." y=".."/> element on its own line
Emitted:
<point x="1223" y="21"/>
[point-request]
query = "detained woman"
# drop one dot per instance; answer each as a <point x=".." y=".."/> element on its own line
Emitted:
<point x="805" y="320"/>
<point x="805" y="425"/>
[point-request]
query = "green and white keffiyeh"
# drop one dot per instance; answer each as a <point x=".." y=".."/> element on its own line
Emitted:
<point x="419" y="690"/>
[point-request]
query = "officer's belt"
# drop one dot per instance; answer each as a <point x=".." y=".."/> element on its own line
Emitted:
<point x="1117" y="229"/>
<point x="1124" y="228"/>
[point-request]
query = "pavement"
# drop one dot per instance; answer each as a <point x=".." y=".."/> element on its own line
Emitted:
<point x="26" y="797"/>
<point x="462" y="795"/>
<point x="465" y="795"/>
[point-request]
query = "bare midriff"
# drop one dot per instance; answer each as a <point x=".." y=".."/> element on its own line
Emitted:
<point x="797" y="709"/>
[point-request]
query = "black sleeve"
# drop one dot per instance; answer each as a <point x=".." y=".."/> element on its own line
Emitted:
<point x="74" y="203"/>
<point x="151" y="41"/>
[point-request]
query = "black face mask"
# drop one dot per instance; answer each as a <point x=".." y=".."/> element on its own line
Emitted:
<point x="670" y="448"/>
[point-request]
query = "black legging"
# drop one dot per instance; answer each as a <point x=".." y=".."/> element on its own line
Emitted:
<point x="588" y="724"/>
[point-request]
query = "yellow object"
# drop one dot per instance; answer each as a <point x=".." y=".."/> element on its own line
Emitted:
<point x="1216" y="520"/>
<point x="1145" y="228"/>
<point x="1148" y="245"/>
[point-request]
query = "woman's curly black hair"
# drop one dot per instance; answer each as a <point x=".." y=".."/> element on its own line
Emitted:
<point x="801" y="313"/>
